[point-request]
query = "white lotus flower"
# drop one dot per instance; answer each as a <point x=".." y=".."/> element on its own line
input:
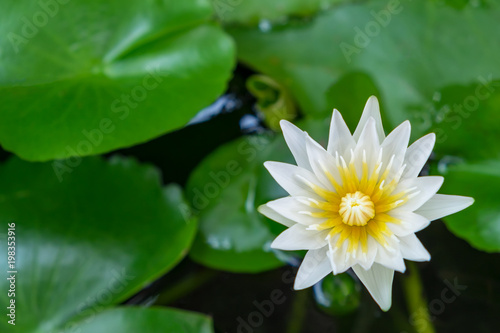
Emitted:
<point x="358" y="203"/>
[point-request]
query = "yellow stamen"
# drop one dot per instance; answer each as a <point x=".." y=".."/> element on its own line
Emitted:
<point x="356" y="209"/>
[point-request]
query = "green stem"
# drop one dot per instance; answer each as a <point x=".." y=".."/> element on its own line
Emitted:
<point x="185" y="287"/>
<point x="298" y="313"/>
<point x="415" y="300"/>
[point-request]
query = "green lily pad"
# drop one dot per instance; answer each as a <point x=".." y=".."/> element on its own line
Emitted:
<point x="465" y="120"/>
<point x="226" y="189"/>
<point x="479" y="224"/>
<point x="86" y="77"/>
<point x="88" y="242"/>
<point x="394" y="43"/>
<point x="349" y="95"/>
<point x="251" y="12"/>
<point x="133" y="320"/>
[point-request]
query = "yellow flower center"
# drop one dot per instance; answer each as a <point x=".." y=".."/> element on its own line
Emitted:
<point x="359" y="205"/>
<point x="356" y="209"/>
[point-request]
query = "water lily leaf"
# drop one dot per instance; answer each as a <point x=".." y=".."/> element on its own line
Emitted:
<point x="273" y="101"/>
<point x="252" y="12"/>
<point x="133" y="320"/>
<point x="349" y="95"/>
<point x="225" y="190"/>
<point x="479" y="224"/>
<point x="86" y="77"/>
<point x="88" y="242"/>
<point x="394" y="43"/>
<point x="465" y="120"/>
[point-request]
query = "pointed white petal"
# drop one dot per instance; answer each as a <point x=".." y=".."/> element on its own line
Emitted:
<point x="378" y="281"/>
<point x="391" y="257"/>
<point x="295" y="209"/>
<point x="367" y="147"/>
<point x="412" y="249"/>
<point x="417" y="154"/>
<point x="314" y="267"/>
<point x="322" y="163"/>
<point x="275" y="216"/>
<point x="395" y="145"/>
<point x="397" y="141"/>
<point x="368" y="137"/>
<point x="371" y="110"/>
<point x="295" y="180"/>
<point x="371" y="254"/>
<point x="339" y="259"/>
<point x="441" y="205"/>
<point x="342" y="259"/>
<point x="426" y="186"/>
<point x="340" y="139"/>
<point x="298" y="237"/>
<point x="295" y="139"/>
<point x="410" y="223"/>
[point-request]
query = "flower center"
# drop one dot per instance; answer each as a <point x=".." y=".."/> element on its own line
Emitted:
<point x="356" y="209"/>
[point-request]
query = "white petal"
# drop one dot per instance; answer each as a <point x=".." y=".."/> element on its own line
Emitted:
<point x="372" y="253"/>
<point x="412" y="249"/>
<point x="339" y="259"/>
<point x="368" y="137"/>
<point x="368" y="147"/>
<point x="410" y="223"/>
<point x="314" y="267"/>
<point x="275" y="216"/>
<point x="417" y="154"/>
<point x="441" y="205"/>
<point x="371" y="110"/>
<point x="298" y="237"/>
<point x="340" y="139"/>
<point x="342" y="260"/>
<point x="322" y="163"/>
<point x="378" y="281"/>
<point x="397" y="141"/>
<point x="295" y="209"/>
<point x="293" y="179"/>
<point x="295" y="139"/>
<point x="391" y="257"/>
<point x="395" y="145"/>
<point x="426" y="186"/>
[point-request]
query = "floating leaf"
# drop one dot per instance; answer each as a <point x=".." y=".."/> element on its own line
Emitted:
<point x="133" y="320"/>
<point x="465" y="120"/>
<point x="479" y="224"/>
<point x="87" y="77"/>
<point x="88" y="242"/>
<point x="395" y="44"/>
<point x="252" y="12"/>
<point x="226" y="189"/>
